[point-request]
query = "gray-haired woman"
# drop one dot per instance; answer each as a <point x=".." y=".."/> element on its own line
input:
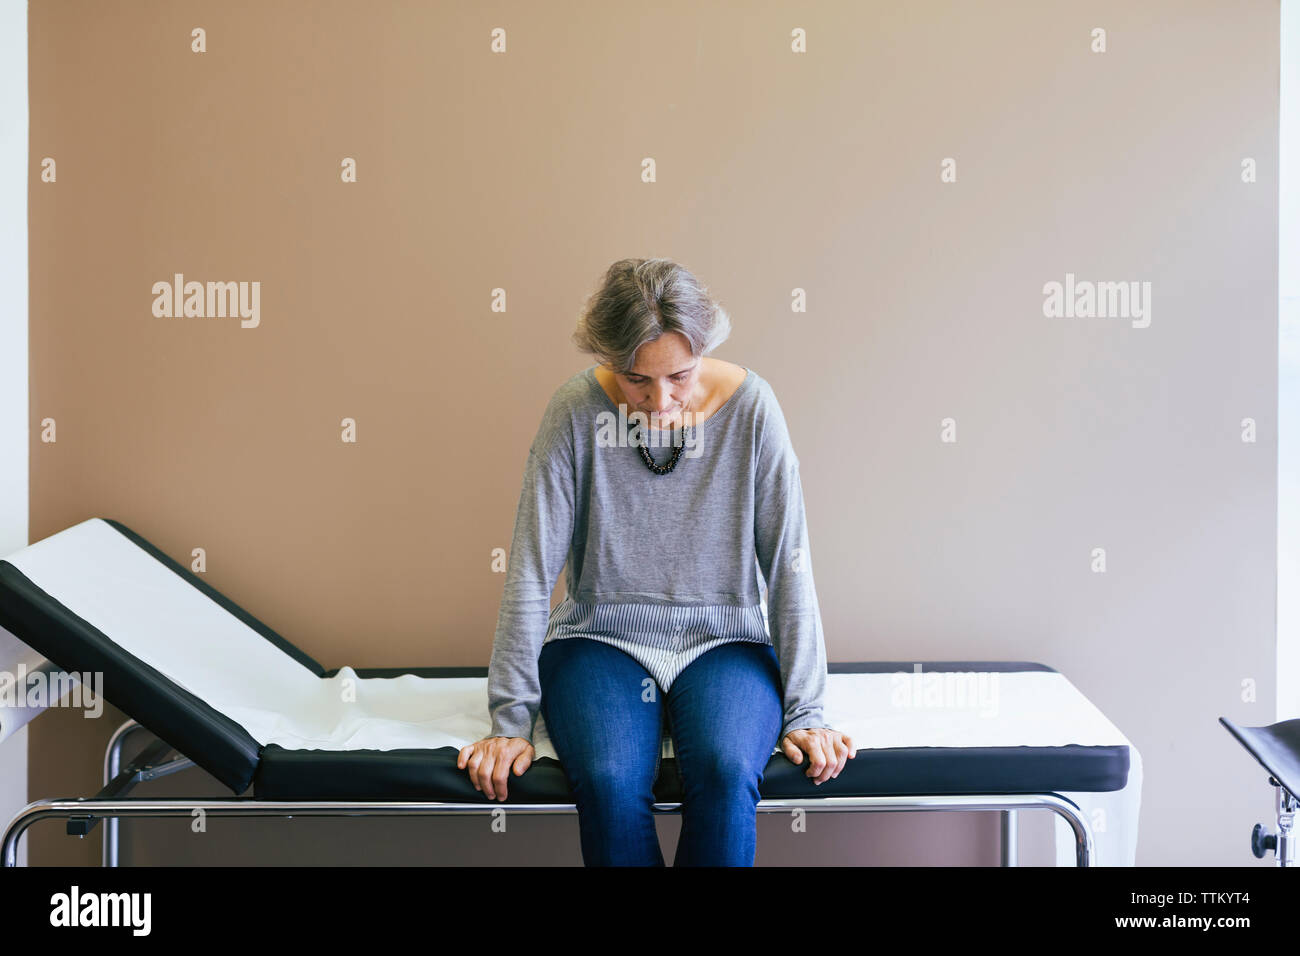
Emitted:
<point x="668" y="481"/>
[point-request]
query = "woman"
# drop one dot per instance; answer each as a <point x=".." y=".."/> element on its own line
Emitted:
<point x="668" y="480"/>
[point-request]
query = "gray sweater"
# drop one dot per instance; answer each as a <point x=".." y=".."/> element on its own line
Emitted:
<point x="663" y="566"/>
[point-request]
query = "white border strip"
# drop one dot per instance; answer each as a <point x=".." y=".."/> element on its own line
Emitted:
<point x="13" y="342"/>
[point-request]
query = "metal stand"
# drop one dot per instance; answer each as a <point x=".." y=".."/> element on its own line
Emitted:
<point x="147" y="766"/>
<point x="1283" y="842"/>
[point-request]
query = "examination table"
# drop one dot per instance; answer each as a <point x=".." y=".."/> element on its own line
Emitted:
<point x="219" y="689"/>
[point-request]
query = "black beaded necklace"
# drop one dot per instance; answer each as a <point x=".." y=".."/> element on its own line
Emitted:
<point x="687" y="431"/>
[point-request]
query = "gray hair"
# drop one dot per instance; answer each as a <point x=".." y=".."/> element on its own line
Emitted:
<point x="641" y="299"/>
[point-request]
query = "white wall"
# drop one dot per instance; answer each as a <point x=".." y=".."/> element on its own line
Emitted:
<point x="13" y="344"/>
<point x="1288" y="375"/>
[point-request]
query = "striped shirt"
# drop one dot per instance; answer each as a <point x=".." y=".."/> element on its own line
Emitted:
<point x="664" y="567"/>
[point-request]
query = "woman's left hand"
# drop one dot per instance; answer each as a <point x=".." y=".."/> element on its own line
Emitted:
<point x="827" y="751"/>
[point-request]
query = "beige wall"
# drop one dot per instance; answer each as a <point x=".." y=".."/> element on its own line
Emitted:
<point x="776" y="171"/>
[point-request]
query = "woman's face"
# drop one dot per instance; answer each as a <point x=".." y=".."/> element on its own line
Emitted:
<point x="665" y="379"/>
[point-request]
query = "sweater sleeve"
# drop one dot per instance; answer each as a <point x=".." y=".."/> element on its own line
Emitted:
<point x="781" y="542"/>
<point x="538" y="548"/>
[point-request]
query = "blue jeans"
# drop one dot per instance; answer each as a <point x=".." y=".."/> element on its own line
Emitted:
<point x="605" y="717"/>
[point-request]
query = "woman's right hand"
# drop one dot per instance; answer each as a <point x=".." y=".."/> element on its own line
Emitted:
<point x="490" y="761"/>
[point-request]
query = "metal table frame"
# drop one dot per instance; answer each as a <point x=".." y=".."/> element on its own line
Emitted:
<point x="110" y="804"/>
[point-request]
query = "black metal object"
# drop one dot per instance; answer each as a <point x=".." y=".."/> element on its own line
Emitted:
<point x="1277" y="748"/>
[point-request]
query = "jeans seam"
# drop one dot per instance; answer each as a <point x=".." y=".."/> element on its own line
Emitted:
<point x="677" y="758"/>
<point x="659" y="741"/>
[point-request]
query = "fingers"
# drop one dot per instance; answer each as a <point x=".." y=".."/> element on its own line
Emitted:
<point x="828" y="752"/>
<point x="485" y="769"/>
<point x="842" y="752"/>
<point x="818" y="759"/>
<point x="472" y="761"/>
<point x="500" y="774"/>
<point x="476" y="757"/>
<point x="489" y="762"/>
<point x="523" y="761"/>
